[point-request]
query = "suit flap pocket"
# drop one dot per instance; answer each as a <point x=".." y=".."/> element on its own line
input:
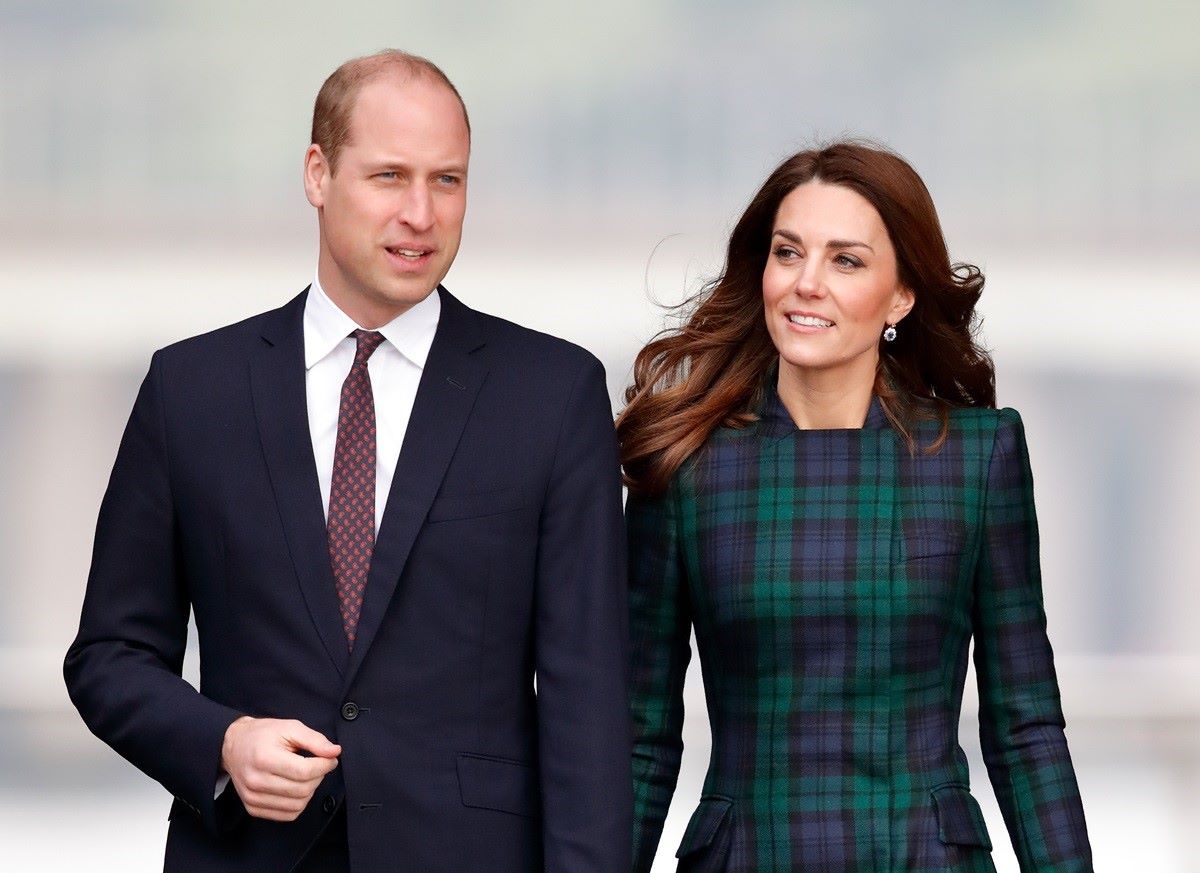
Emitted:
<point x="502" y="784"/>
<point x="448" y="507"/>
<point x="704" y="824"/>
<point x="960" y="821"/>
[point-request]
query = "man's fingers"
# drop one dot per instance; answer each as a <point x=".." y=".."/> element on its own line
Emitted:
<point x="274" y="781"/>
<point x="272" y="815"/>
<point x="274" y="802"/>
<point x="273" y="808"/>
<point x="260" y="754"/>
<point x="264" y="783"/>
<point x="300" y="769"/>
<point x="301" y="737"/>
<point x="277" y="798"/>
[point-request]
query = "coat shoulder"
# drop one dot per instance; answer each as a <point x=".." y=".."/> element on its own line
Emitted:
<point x="511" y="338"/>
<point x="536" y="357"/>
<point x="987" y="420"/>
<point x="238" y="338"/>
<point x="977" y="432"/>
<point x="977" y="425"/>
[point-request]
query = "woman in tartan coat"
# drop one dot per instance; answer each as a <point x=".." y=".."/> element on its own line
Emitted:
<point x="821" y="486"/>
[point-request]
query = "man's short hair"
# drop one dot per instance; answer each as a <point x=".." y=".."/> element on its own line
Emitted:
<point x="335" y="100"/>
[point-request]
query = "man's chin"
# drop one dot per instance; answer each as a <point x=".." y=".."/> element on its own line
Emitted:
<point x="402" y="295"/>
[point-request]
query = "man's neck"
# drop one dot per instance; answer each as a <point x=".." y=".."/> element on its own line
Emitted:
<point x="367" y="313"/>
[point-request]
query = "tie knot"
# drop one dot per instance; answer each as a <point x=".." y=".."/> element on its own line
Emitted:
<point x="368" y="341"/>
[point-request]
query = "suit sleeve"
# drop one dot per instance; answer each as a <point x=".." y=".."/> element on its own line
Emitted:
<point x="660" y="629"/>
<point x="581" y="643"/>
<point x="123" y="671"/>
<point x="1021" y="720"/>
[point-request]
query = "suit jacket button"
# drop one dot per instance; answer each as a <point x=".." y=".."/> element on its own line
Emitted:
<point x="350" y="710"/>
<point x="330" y="804"/>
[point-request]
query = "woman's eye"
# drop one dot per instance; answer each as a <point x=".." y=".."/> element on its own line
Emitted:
<point x="786" y="253"/>
<point x="847" y="261"/>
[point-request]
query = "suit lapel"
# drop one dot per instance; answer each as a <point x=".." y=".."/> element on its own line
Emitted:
<point x="449" y="384"/>
<point x="277" y="379"/>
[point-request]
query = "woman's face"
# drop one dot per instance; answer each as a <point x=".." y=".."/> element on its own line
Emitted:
<point x="830" y="285"/>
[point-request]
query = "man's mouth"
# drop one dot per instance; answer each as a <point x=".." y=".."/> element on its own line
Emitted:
<point x="407" y="253"/>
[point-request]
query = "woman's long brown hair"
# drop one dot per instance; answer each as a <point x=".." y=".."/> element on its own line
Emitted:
<point x="710" y="372"/>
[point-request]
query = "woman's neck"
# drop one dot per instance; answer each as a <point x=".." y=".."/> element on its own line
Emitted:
<point x="827" y="398"/>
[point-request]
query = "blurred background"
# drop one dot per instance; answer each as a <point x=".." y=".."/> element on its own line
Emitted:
<point x="150" y="158"/>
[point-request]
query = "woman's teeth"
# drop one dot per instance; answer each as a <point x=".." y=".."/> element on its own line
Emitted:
<point x="809" y="321"/>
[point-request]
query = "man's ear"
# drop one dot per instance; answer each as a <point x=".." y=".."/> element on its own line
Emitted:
<point x="316" y="172"/>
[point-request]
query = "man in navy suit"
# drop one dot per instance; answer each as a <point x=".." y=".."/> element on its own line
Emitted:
<point x="388" y="514"/>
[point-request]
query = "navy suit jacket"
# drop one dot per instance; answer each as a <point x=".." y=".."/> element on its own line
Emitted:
<point x="500" y="556"/>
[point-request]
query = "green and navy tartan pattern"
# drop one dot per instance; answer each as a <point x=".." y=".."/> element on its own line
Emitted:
<point x="835" y="582"/>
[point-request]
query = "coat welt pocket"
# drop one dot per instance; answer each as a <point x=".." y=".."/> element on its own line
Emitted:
<point x="451" y="507"/>
<point x="502" y="784"/>
<point x="960" y="820"/>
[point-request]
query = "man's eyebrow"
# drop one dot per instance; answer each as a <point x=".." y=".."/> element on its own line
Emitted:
<point x="386" y="166"/>
<point x="833" y="243"/>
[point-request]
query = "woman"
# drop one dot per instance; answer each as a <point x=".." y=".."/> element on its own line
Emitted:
<point x="820" y="484"/>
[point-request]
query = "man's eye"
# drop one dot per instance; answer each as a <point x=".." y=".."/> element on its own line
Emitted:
<point x="448" y="179"/>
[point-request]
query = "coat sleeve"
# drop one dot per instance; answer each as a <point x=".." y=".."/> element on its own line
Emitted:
<point x="1021" y="720"/>
<point x="581" y="643"/>
<point x="123" y="671"/>
<point x="660" y="629"/>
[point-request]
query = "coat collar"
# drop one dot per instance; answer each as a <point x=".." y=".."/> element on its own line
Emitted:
<point x="776" y="421"/>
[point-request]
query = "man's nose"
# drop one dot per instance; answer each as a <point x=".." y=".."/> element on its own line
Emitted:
<point x="417" y="208"/>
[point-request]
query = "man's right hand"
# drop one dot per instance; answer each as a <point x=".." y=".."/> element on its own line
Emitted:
<point x="274" y="781"/>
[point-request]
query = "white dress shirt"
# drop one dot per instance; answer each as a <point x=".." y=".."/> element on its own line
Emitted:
<point x="395" y="369"/>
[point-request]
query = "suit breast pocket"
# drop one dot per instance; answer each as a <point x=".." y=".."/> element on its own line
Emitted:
<point x="475" y="542"/>
<point x="480" y="504"/>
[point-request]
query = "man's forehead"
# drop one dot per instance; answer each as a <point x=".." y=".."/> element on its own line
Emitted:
<point x="407" y="122"/>
<point x="396" y="95"/>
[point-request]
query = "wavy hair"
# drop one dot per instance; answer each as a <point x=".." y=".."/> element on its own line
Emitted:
<point x="710" y="372"/>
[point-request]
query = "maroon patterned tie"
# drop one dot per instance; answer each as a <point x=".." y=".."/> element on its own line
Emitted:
<point x="351" y="520"/>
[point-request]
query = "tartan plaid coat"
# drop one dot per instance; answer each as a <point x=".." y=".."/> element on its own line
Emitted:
<point x="834" y="581"/>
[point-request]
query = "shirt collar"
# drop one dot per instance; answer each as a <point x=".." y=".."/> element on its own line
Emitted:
<point x="325" y="326"/>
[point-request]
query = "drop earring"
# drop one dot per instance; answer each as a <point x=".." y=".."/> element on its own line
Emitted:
<point x="889" y="333"/>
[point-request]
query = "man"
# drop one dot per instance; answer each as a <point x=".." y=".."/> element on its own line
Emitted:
<point x="387" y="512"/>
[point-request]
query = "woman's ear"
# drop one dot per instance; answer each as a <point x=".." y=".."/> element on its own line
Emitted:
<point x="902" y="304"/>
